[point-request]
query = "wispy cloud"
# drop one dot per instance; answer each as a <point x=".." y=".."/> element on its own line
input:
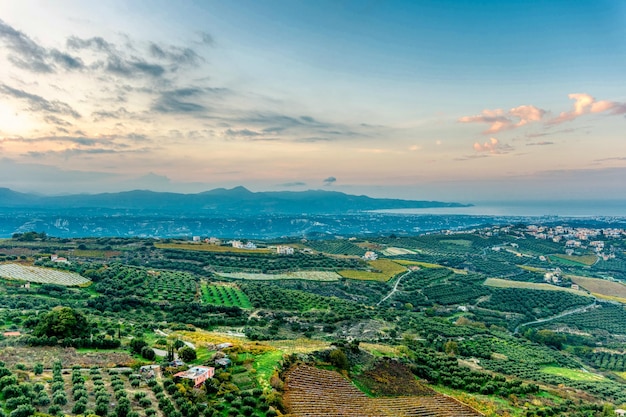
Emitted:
<point x="329" y="181"/>
<point x="544" y="143"/>
<point x="293" y="184"/>
<point x="39" y="104"/>
<point x="26" y="53"/>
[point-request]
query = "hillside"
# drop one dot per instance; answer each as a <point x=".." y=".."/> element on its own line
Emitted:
<point x="216" y="202"/>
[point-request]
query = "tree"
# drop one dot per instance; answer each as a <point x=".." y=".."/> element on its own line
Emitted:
<point x="62" y="322"/>
<point x="338" y="359"/>
<point x="23" y="410"/>
<point x="38" y="369"/>
<point x="187" y="354"/>
<point x="148" y="353"/>
<point x="136" y="345"/>
<point x="451" y="348"/>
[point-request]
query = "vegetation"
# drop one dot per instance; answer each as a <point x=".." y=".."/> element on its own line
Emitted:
<point x="465" y="313"/>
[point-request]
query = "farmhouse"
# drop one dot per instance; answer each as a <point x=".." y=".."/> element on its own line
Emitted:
<point x="11" y="334"/>
<point x="370" y="256"/>
<point x="284" y="250"/>
<point x="197" y="374"/>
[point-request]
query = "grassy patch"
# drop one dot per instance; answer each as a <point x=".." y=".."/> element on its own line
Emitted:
<point x="102" y="254"/>
<point x="586" y="260"/>
<point x="225" y="295"/>
<point x="573" y="374"/>
<point x="203" y="247"/>
<point x="505" y="283"/>
<point x="417" y="263"/>
<point x="265" y="365"/>
<point x="383" y="270"/>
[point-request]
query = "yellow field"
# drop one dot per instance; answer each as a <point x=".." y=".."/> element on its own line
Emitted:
<point x="505" y="283"/>
<point x="601" y="287"/>
<point x="584" y="259"/>
<point x="388" y="269"/>
<point x="417" y="263"/>
<point x="203" y="247"/>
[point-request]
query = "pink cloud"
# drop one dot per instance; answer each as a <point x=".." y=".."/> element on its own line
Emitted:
<point x="501" y="120"/>
<point x="492" y="146"/>
<point x="587" y="104"/>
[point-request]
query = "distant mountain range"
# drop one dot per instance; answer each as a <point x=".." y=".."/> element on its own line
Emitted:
<point x="238" y="200"/>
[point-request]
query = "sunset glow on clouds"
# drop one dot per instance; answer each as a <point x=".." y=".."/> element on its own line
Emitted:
<point x="282" y="95"/>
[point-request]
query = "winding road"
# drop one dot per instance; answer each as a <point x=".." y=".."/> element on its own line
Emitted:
<point x="558" y="316"/>
<point x="395" y="288"/>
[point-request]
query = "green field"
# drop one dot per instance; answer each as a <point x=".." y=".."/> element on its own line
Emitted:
<point x="573" y="374"/>
<point x="586" y="260"/>
<point x="225" y="295"/>
<point x="203" y="247"/>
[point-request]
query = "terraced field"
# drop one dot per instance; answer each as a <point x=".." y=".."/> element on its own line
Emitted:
<point x="312" y="392"/>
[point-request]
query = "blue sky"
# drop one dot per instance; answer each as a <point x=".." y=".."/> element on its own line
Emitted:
<point x="448" y="100"/>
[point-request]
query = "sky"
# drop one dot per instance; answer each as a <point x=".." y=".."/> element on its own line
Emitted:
<point x="429" y="100"/>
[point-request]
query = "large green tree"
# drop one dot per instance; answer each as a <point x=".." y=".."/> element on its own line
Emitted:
<point x="62" y="322"/>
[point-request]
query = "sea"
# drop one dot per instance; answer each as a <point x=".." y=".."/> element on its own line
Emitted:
<point x="528" y="208"/>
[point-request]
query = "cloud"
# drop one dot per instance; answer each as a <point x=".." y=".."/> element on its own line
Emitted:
<point x="330" y="181"/>
<point x="120" y="113"/>
<point x="39" y="104"/>
<point x="587" y="104"/>
<point x="175" y="54"/>
<point x="27" y="54"/>
<point x="178" y="101"/>
<point x="132" y="68"/>
<point x="493" y="146"/>
<point x="242" y="132"/>
<point x="544" y="143"/>
<point x="293" y="184"/>
<point x="206" y="38"/>
<point x="501" y="120"/>
<point x="67" y="61"/>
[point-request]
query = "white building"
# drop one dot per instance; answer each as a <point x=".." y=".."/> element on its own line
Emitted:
<point x="370" y="256"/>
<point x="284" y="250"/>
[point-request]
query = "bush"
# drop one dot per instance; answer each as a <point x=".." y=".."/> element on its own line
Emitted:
<point x="23" y="410"/>
<point x="187" y="354"/>
<point x="148" y="353"/>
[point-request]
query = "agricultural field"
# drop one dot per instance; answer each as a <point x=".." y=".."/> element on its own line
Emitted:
<point x="204" y="247"/>
<point x="316" y="392"/>
<point x="417" y="263"/>
<point x="336" y="247"/>
<point x="41" y="275"/>
<point x="382" y="270"/>
<point x="505" y="283"/>
<point x="587" y="260"/>
<point x="393" y="251"/>
<point x="327" y="276"/>
<point x="452" y="321"/>
<point x="601" y="287"/>
<point x="224" y="294"/>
